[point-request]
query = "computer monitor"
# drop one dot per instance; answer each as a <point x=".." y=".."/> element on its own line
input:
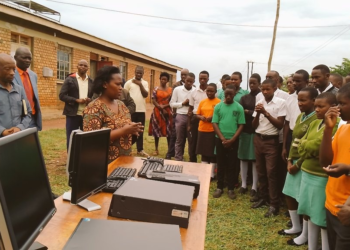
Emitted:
<point x="88" y="165"/>
<point x="26" y="203"/>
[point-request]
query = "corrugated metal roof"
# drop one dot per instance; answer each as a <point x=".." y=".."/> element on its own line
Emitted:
<point x="106" y="43"/>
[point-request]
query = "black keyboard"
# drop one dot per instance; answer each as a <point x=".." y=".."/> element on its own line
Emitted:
<point x="117" y="178"/>
<point x="122" y="172"/>
<point x="113" y="185"/>
<point x="150" y="165"/>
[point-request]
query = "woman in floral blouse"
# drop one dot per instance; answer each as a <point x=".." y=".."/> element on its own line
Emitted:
<point x="108" y="112"/>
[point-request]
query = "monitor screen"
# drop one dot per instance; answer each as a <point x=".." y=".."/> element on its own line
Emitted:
<point x="90" y="163"/>
<point x="26" y="190"/>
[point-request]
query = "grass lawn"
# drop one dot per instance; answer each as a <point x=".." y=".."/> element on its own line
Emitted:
<point x="230" y="224"/>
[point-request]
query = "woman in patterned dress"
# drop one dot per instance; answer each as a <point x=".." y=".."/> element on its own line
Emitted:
<point x="108" y="112"/>
<point x="161" y="118"/>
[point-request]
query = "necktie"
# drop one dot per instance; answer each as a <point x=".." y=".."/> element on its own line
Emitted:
<point x="29" y="90"/>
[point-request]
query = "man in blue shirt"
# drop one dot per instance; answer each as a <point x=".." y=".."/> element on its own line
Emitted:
<point x="14" y="114"/>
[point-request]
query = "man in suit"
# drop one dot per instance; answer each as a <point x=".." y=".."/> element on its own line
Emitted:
<point x="29" y="81"/>
<point x="76" y="92"/>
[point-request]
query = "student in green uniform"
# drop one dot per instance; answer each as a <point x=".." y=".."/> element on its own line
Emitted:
<point x="228" y="121"/>
<point x="312" y="194"/>
<point x="306" y="102"/>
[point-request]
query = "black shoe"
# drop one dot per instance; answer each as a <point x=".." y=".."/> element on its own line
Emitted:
<point x="255" y="199"/>
<point x="231" y="194"/>
<point x="259" y="203"/>
<point x="218" y="193"/>
<point x="243" y="190"/>
<point x="271" y="212"/>
<point x="253" y="193"/>
<point x="289" y="224"/>
<point x="292" y="243"/>
<point x="282" y="232"/>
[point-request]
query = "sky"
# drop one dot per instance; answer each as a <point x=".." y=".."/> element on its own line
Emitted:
<point x="220" y="49"/>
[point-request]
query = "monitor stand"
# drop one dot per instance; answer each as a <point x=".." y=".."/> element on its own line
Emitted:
<point x="37" y="246"/>
<point x="88" y="205"/>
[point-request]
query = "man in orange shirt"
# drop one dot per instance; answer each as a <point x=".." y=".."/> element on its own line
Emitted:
<point x="28" y="80"/>
<point x="334" y="157"/>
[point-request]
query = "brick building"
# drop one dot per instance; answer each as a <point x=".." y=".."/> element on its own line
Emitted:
<point x="58" y="48"/>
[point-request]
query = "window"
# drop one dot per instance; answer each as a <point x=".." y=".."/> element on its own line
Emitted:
<point x="123" y="70"/>
<point x="64" y="55"/>
<point x="171" y="80"/>
<point x="18" y="40"/>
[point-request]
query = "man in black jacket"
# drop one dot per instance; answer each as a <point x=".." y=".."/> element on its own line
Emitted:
<point x="76" y="92"/>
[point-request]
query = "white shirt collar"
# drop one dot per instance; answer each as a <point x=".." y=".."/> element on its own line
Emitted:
<point x="79" y="77"/>
<point x="329" y="86"/>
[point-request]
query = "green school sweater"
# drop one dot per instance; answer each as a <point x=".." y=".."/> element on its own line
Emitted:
<point x="310" y="146"/>
<point x="299" y="131"/>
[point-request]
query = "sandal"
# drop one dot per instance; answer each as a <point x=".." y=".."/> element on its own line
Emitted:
<point x="155" y="153"/>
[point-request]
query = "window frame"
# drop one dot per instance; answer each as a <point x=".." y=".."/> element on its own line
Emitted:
<point x="64" y="61"/>
<point x="123" y="67"/>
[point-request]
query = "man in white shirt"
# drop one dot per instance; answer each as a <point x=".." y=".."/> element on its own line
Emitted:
<point x="196" y="97"/>
<point x="268" y="119"/>
<point x="274" y="75"/>
<point x="76" y="92"/>
<point x="171" y="148"/>
<point x="180" y="101"/>
<point x="320" y="78"/>
<point x="138" y="89"/>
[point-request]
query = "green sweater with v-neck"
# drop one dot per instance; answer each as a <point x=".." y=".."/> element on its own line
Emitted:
<point x="310" y="146"/>
<point x="301" y="125"/>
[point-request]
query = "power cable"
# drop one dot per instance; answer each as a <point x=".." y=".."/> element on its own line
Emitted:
<point x="336" y="36"/>
<point x="202" y="22"/>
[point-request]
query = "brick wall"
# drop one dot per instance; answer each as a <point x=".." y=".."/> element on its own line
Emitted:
<point x="5" y="41"/>
<point x="78" y="55"/>
<point x="131" y="70"/>
<point x="45" y="55"/>
<point x="116" y="62"/>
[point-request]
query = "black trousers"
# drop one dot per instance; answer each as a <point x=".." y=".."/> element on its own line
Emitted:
<point x="192" y="139"/>
<point x="172" y="140"/>
<point x="338" y="234"/>
<point x="227" y="164"/>
<point x="73" y="123"/>
<point x="139" y="117"/>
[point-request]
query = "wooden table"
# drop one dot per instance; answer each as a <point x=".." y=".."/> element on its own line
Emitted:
<point x="59" y="229"/>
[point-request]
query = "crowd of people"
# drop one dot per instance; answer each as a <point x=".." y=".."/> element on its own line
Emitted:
<point x="291" y="146"/>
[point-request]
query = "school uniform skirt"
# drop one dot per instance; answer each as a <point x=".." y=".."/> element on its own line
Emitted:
<point x="206" y="144"/>
<point x="312" y="198"/>
<point x="292" y="184"/>
<point x="246" y="147"/>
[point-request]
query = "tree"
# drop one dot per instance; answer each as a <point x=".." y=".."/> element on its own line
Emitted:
<point x="343" y="69"/>
<point x="274" y="36"/>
